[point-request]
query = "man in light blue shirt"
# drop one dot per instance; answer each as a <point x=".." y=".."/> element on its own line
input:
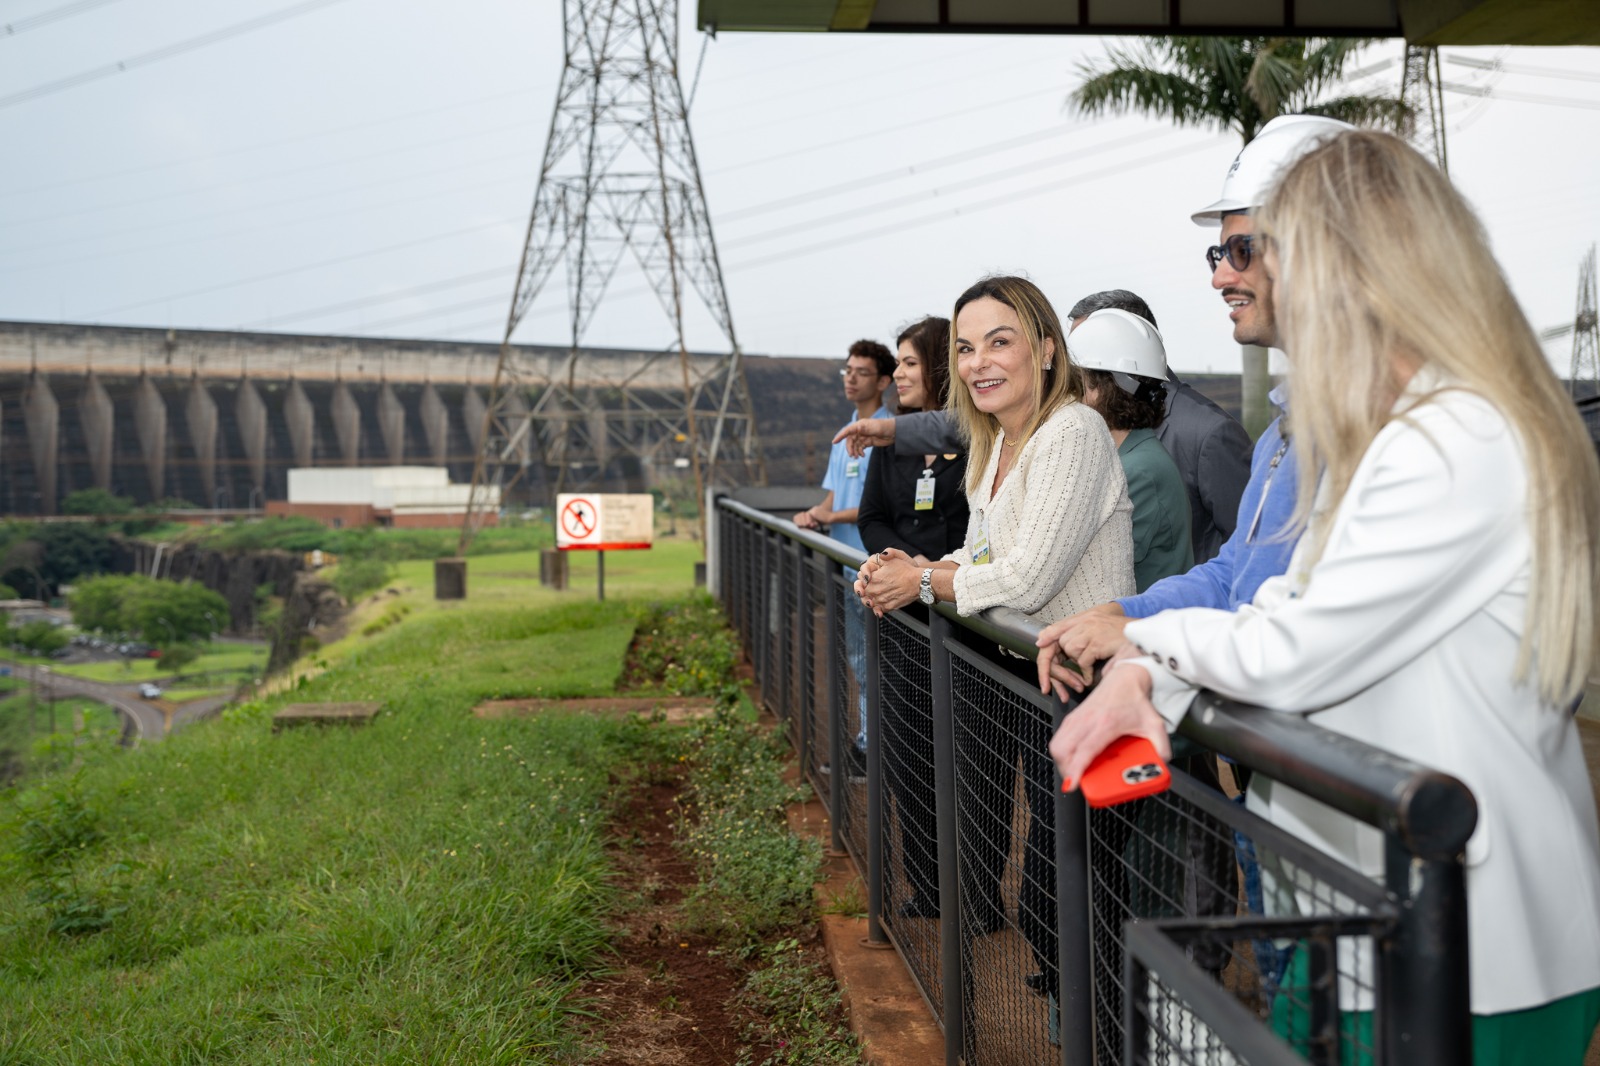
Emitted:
<point x="867" y="372"/>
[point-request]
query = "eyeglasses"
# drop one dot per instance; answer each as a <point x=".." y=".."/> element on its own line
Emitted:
<point x="865" y="373"/>
<point x="1237" y="249"/>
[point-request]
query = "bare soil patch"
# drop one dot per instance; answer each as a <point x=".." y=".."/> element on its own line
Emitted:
<point x="670" y="999"/>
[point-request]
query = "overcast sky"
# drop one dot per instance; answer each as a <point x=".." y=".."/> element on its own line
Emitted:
<point x="367" y="167"/>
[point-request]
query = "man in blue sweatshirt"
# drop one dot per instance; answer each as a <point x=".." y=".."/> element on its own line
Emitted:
<point x="1261" y="544"/>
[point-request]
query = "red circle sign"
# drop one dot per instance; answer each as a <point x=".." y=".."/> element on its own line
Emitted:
<point x="578" y="519"/>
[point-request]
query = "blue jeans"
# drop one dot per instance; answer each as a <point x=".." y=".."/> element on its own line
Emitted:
<point x="855" y="648"/>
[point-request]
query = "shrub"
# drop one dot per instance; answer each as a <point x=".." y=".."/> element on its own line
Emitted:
<point x="41" y="638"/>
<point x="356" y="577"/>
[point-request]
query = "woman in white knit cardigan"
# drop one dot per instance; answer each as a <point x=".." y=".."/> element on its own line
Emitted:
<point x="1051" y="525"/>
<point x="1050" y="533"/>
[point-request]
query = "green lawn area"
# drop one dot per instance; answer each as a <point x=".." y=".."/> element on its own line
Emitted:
<point x="24" y="721"/>
<point x="240" y="659"/>
<point x="428" y="889"/>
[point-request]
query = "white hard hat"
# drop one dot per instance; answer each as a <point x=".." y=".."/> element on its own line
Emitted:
<point x="1259" y="164"/>
<point x="1121" y="343"/>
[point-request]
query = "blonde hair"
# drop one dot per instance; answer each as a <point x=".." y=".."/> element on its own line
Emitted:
<point x="1054" y="388"/>
<point x="1381" y="262"/>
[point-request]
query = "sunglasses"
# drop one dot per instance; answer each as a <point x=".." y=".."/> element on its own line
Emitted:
<point x="1237" y="249"/>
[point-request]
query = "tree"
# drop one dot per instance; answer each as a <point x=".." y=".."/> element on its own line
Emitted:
<point x="96" y="502"/>
<point x="163" y="613"/>
<point x="41" y="638"/>
<point x="1237" y="83"/>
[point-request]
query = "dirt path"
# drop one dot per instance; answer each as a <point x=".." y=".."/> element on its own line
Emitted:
<point x="670" y="997"/>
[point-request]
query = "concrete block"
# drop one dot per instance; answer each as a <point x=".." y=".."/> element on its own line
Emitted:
<point x="355" y="713"/>
<point x="449" y="579"/>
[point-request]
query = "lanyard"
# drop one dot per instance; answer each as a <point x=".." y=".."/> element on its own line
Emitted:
<point x="1261" y="504"/>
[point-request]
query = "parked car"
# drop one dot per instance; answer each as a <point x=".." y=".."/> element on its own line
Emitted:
<point x="149" y="691"/>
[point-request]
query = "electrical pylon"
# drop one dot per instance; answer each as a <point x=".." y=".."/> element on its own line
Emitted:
<point x="1585" y="331"/>
<point x="619" y="180"/>
<point x="1421" y="89"/>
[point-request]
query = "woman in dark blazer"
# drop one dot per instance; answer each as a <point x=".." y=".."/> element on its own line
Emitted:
<point x="917" y="503"/>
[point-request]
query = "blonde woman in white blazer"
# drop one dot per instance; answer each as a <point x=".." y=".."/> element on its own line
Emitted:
<point x="1441" y="603"/>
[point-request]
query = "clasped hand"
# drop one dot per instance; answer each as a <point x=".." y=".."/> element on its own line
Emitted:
<point x="889" y="580"/>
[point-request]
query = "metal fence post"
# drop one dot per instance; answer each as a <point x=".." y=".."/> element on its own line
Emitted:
<point x="808" y="634"/>
<point x="874" y="783"/>
<point x="944" y="805"/>
<point x="1073" y="939"/>
<point x="835" y="712"/>
<point x="1426" y="983"/>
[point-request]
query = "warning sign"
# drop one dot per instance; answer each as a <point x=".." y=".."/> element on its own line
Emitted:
<point x="605" y="521"/>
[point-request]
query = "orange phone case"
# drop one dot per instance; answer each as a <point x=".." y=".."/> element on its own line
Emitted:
<point x="1128" y="769"/>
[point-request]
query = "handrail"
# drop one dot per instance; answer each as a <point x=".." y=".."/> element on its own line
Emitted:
<point x="1432" y="812"/>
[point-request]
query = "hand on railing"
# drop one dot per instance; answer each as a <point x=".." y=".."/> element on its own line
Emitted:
<point x="1086" y="639"/>
<point x="888" y="581"/>
<point x="1118" y="707"/>
<point x="867" y="433"/>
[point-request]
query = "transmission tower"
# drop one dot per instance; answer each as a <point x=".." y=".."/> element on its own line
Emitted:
<point x="619" y="181"/>
<point x="1422" y="91"/>
<point x="1585" y="330"/>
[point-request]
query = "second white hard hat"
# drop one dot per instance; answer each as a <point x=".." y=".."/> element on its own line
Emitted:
<point x="1120" y="343"/>
<point x="1259" y="164"/>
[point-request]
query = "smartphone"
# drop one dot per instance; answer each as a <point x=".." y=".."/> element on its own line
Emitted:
<point x="1128" y="769"/>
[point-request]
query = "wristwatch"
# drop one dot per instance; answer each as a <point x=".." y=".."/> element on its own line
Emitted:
<point x="925" y="590"/>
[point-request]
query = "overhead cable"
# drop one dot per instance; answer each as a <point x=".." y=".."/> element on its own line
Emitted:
<point x="146" y="58"/>
<point x="55" y="14"/>
<point x="1497" y="93"/>
<point x="1523" y="68"/>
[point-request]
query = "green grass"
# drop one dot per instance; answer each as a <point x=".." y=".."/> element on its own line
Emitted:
<point x="240" y="659"/>
<point x="25" y="723"/>
<point x="430" y="888"/>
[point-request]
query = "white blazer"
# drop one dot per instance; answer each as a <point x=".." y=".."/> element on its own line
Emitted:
<point x="1404" y="635"/>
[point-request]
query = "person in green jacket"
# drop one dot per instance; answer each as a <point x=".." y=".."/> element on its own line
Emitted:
<point x="1125" y="364"/>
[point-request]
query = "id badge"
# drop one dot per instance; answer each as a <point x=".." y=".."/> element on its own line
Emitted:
<point x="980" y="547"/>
<point x="924" y="501"/>
<point x="852" y="468"/>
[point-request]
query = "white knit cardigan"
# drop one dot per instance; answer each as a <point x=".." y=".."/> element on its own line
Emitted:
<point x="1060" y="529"/>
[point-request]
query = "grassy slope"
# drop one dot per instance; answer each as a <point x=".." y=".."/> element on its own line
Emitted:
<point x="424" y="890"/>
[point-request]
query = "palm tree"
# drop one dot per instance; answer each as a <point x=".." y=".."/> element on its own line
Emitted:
<point x="1237" y="83"/>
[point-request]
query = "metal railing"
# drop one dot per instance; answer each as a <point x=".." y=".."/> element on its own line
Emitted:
<point x="1181" y="928"/>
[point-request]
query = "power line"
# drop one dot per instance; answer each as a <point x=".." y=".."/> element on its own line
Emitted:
<point x="1523" y="68"/>
<point x="897" y="172"/>
<point x="896" y="128"/>
<point x="146" y="58"/>
<point x="257" y="208"/>
<point x="379" y="298"/>
<point x="308" y="168"/>
<point x="263" y="145"/>
<point x="11" y="29"/>
<point x="881" y="206"/>
<point x="309" y="266"/>
<point x="897" y="227"/>
<point x="1525" y="98"/>
<point x="808" y="225"/>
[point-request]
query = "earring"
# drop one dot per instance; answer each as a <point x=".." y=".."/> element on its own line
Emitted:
<point x="1047" y="366"/>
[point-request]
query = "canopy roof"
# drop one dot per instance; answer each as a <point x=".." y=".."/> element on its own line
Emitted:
<point x="1432" y="22"/>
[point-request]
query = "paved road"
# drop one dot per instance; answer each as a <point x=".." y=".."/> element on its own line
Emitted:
<point x="141" y="721"/>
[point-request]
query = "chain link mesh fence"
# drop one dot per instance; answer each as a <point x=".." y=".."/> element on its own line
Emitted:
<point x="1254" y="945"/>
<point x="911" y="904"/>
<point x="1005" y="834"/>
